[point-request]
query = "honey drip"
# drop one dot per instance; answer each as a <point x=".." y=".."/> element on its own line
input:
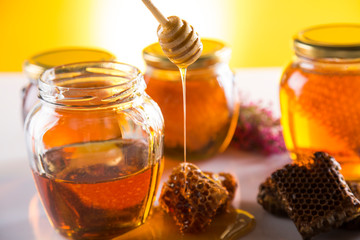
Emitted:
<point x="183" y="82"/>
<point x="228" y="226"/>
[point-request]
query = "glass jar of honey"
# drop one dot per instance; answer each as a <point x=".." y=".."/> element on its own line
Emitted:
<point x="211" y="100"/>
<point x="320" y="96"/>
<point x="37" y="64"/>
<point x="95" y="144"/>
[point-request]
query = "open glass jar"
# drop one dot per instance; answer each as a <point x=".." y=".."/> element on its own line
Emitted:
<point x="95" y="143"/>
<point x="320" y="96"/>
<point x="211" y="100"/>
<point x="37" y="64"/>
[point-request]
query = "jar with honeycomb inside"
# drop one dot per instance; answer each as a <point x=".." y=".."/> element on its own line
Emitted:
<point x="211" y="100"/>
<point x="95" y="144"/>
<point x="37" y="64"/>
<point x="320" y="96"/>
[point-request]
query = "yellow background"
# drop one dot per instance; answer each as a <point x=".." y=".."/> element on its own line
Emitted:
<point x="258" y="31"/>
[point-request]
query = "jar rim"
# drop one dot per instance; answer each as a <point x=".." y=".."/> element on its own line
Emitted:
<point x="214" y="51"/>
<point x="340" y="41"/>
<point x="37" y="64"/>
<point x="90" y="83"/>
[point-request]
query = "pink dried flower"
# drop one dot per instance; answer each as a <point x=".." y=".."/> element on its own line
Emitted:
<point x="258" y="130"/>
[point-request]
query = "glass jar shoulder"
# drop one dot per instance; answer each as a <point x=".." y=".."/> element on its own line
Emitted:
<point x="299" y="72"/>
<point x="142" y="112"/>
<point x="147" y="121"/>
<point x="215" y="82"/>
<point x="325" y="73"/>
<point x="326" y="67"/>
<point x="146" y="112"/>
<point x="39" y="119"/>
<point x="291" y="69"/>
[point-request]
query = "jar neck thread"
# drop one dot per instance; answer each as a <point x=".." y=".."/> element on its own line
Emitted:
<point x="91" y="84"/>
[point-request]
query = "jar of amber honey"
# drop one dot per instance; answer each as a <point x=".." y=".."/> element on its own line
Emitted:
<point x="95" y="144"/>
<point x="37" y="64"/>
<point x="211" y="100"/>
<point x="320" y="96"/>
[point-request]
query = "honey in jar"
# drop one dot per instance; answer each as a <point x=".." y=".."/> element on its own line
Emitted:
<point x="37" y="64"/>
<point x="95" y="144"/>
<point x="211" y="100"/>
<point x="320" y="96"/>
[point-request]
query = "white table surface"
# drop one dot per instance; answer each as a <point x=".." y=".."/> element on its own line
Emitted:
<point x="22" y="217"/>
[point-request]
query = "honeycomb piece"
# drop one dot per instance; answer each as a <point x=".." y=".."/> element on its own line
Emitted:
<point x="315" y="196"/>
<point x="269" y="199"/>
<point x="192" y="203"/>
<point x="271" y="202"/>
<point x="229" y="182"/>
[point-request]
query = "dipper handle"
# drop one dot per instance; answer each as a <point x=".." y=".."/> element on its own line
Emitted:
<point x="157" y="14"/>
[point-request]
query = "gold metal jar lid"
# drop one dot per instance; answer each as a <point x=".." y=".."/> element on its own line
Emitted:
<point x="37" y="64"/>
<point x="329" y="41"/>
<point x="213" y="52"/>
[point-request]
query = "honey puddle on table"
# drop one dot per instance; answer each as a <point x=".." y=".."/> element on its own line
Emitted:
<point x="228" y="226"/>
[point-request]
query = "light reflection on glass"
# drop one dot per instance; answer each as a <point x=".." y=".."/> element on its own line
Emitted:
<point x="40" y="224"/>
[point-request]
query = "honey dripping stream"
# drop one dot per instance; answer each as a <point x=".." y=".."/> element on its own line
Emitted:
<point x="183" y="84"/>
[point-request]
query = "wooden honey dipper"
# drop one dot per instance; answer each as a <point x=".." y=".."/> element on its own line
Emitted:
<point x="180" y="43"/>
